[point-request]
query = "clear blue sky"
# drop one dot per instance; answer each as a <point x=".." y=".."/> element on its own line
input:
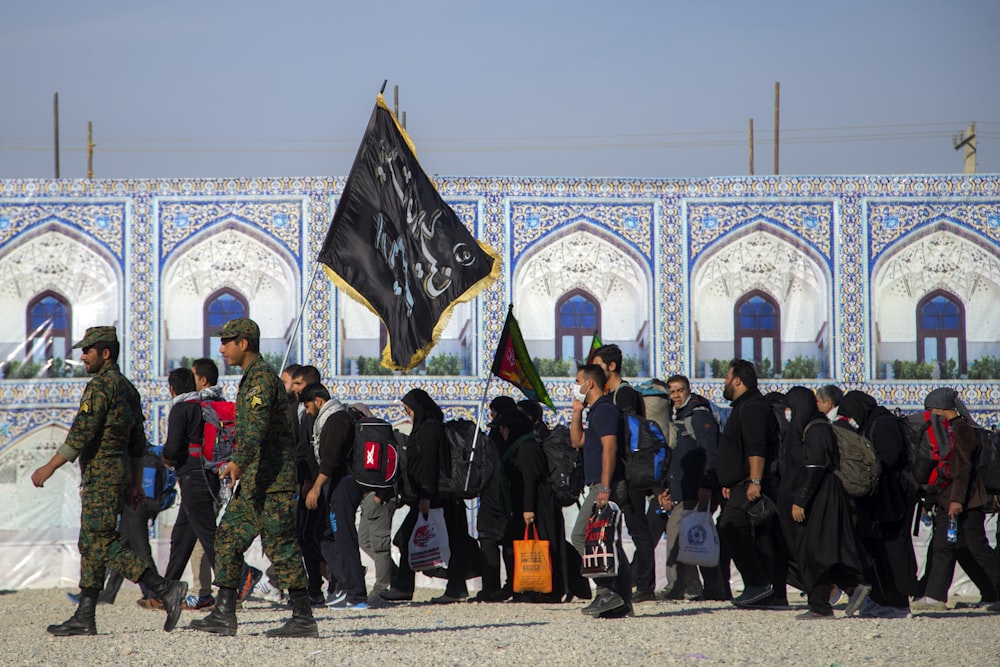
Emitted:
<point x="217" y="88"/>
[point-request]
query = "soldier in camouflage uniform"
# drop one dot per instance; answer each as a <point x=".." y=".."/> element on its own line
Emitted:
<point x="108" y="438"/>
<point x="264" y="502"/>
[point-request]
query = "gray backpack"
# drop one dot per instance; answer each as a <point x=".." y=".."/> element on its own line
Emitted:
<point x="859" y="468"/>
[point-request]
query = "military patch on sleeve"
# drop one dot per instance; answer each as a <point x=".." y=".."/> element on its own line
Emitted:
<point x="85" y="407"/>
<point x="256" y="402"/>
<point x="254" y="391"/>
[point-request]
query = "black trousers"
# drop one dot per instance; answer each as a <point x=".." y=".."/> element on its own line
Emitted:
<point x="971" y="540"/>
<point x="196" y="518"/>
<point x="644" y="561"/>
<point x="753" y="550"/>
<point x="308" y="525"/>
<point x="339" y="537"/>
<point x="466" y="557"/>
<point x="133" y="525"/>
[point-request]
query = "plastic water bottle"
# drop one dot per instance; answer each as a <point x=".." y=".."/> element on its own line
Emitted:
<point x="225" y="489"/>
<point x="952" y="533"/>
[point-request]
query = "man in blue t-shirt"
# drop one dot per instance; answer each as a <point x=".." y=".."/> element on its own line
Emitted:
<point x="604" y="475"/>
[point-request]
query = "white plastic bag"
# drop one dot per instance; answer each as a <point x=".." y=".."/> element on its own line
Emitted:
<point x="698" y="541"/>
<point x="429" y="546"/>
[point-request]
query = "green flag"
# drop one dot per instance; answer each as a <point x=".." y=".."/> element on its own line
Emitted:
<point x="595" y="343"/>
<point x="512" y="363"/>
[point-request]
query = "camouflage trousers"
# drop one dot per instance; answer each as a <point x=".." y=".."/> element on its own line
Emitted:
<point x="270" y="515"/>
<point x="100" y="544"/>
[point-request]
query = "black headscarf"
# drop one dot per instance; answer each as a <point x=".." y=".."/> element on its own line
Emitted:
<point x="502" y="404"/>
<point x="859" y="406"/>
<point x="423" y="406"/>
<point x="802" y="401"/>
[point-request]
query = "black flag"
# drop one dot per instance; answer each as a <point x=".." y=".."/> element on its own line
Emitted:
<point x="397" y="247"/>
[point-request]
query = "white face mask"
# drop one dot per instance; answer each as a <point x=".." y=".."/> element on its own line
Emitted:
<point x="788" y="414"/>
<point x="578" y="393"/>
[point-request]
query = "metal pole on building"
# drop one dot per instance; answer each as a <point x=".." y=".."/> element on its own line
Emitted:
<point x="395" y="101"/>
<point x="90" y="149"/>
<point x="751" y="146"/>
<point x="968" y="140"/>
<point x="298" y="319"/>
<point x="55" y="116"/>
<point x="404" y="120"/>
<point x="777" y="106"/>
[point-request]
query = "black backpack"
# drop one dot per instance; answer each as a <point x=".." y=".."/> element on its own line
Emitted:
<point x="565" y="464"/>
<point x="468" y="461"/>
<point x="988" y="465"/>
<point x="375" y="456"/>
<point x="928" y="451"/>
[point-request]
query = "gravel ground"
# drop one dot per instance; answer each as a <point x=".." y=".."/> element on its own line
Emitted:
<point x="420" y="633"/>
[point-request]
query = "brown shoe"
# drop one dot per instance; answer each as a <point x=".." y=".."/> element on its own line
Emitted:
<point x="150" y="603"/>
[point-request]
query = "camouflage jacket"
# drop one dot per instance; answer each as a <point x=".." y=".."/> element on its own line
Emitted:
<point x="107" y="434"/>
<point x="266" y="447"/>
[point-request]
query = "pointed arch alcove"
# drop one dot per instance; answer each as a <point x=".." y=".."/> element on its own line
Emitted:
<point x="782" y="289"/>
<point x="230" y="259"/>
<point x="55" y="260"/>
<point x="584" y="258"/>
<point x="934" y="296"/>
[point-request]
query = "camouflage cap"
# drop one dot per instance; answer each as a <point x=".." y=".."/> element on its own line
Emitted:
<point x="98" y="335"/>
<point x="241" y="326"/>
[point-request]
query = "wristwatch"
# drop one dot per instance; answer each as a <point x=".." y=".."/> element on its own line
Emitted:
<point x="603" y="489"/>
<point x="755" y="480"/>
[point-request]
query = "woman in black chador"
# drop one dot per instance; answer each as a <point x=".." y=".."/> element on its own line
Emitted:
<point x="828" y="548"/>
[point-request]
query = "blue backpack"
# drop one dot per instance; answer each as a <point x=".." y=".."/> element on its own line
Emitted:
<point x="158" y="481"/>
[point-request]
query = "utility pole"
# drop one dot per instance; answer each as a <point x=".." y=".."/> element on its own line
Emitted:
<point x="90" y="149"/>
<point x="967" y="139"/>
<point x="777" y="105"/>
<point x="55" y="116"/>
<point x="751" y="146"/>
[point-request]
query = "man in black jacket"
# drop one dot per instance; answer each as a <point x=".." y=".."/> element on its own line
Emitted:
<point x="307" y="522"/>
<point x="747" y="449"/>
<point x="199" y="487"/>
<point x="335" y="496"/>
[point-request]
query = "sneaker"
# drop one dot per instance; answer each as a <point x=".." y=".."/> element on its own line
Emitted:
<point x="344" y="603"/>
<point x="250" y="576"/>
<point x="448" y="599"/>
<point x="335" y="598"/>
<point x="993" y="607"/>
<point x="835" y="594"/>
<point x="193" y="602"/>
<point x="266" y="591"/>
<point x="969" y="605"/>
<point x="638" y="598"/>
<point x="771" y="602"/>
<point x="317" y="599"/>
<point x="857" y="597"/>
<point x="624" y="611"/>
<point x="927" y="604"/>
<point x="875" y="610"/>
<point x="395" y="595"/>
<point x="150" y="603"/>
<point x="604" y="602"/>
<point x="813" y="616"/>
<point x="753" y="594"/>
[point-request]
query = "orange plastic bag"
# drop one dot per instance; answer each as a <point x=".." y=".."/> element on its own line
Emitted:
<point x="532" y="564"/>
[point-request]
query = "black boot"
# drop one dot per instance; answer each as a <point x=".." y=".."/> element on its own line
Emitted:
<point x="170" y="593"/>
<point x="302" y="623"/>
<point x="80" y="623"/>
<point x="222" y="620"/>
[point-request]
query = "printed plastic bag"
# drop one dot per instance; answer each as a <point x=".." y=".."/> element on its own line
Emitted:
<point x="429" y="547"/>
<point x="698" y="541"/>
<point x="532" y="564"/>
<point x="600" y="555"/>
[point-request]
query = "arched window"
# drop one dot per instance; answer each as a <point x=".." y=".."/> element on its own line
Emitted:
<point x="941" y="330"/>
<point x="758" y="330"/>
<point x="49" y="328"/>
<point x="578" y="316"/>
<point x="220" y="307"/>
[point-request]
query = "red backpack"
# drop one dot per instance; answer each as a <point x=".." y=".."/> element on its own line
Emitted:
<point x="219" y="434"/>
